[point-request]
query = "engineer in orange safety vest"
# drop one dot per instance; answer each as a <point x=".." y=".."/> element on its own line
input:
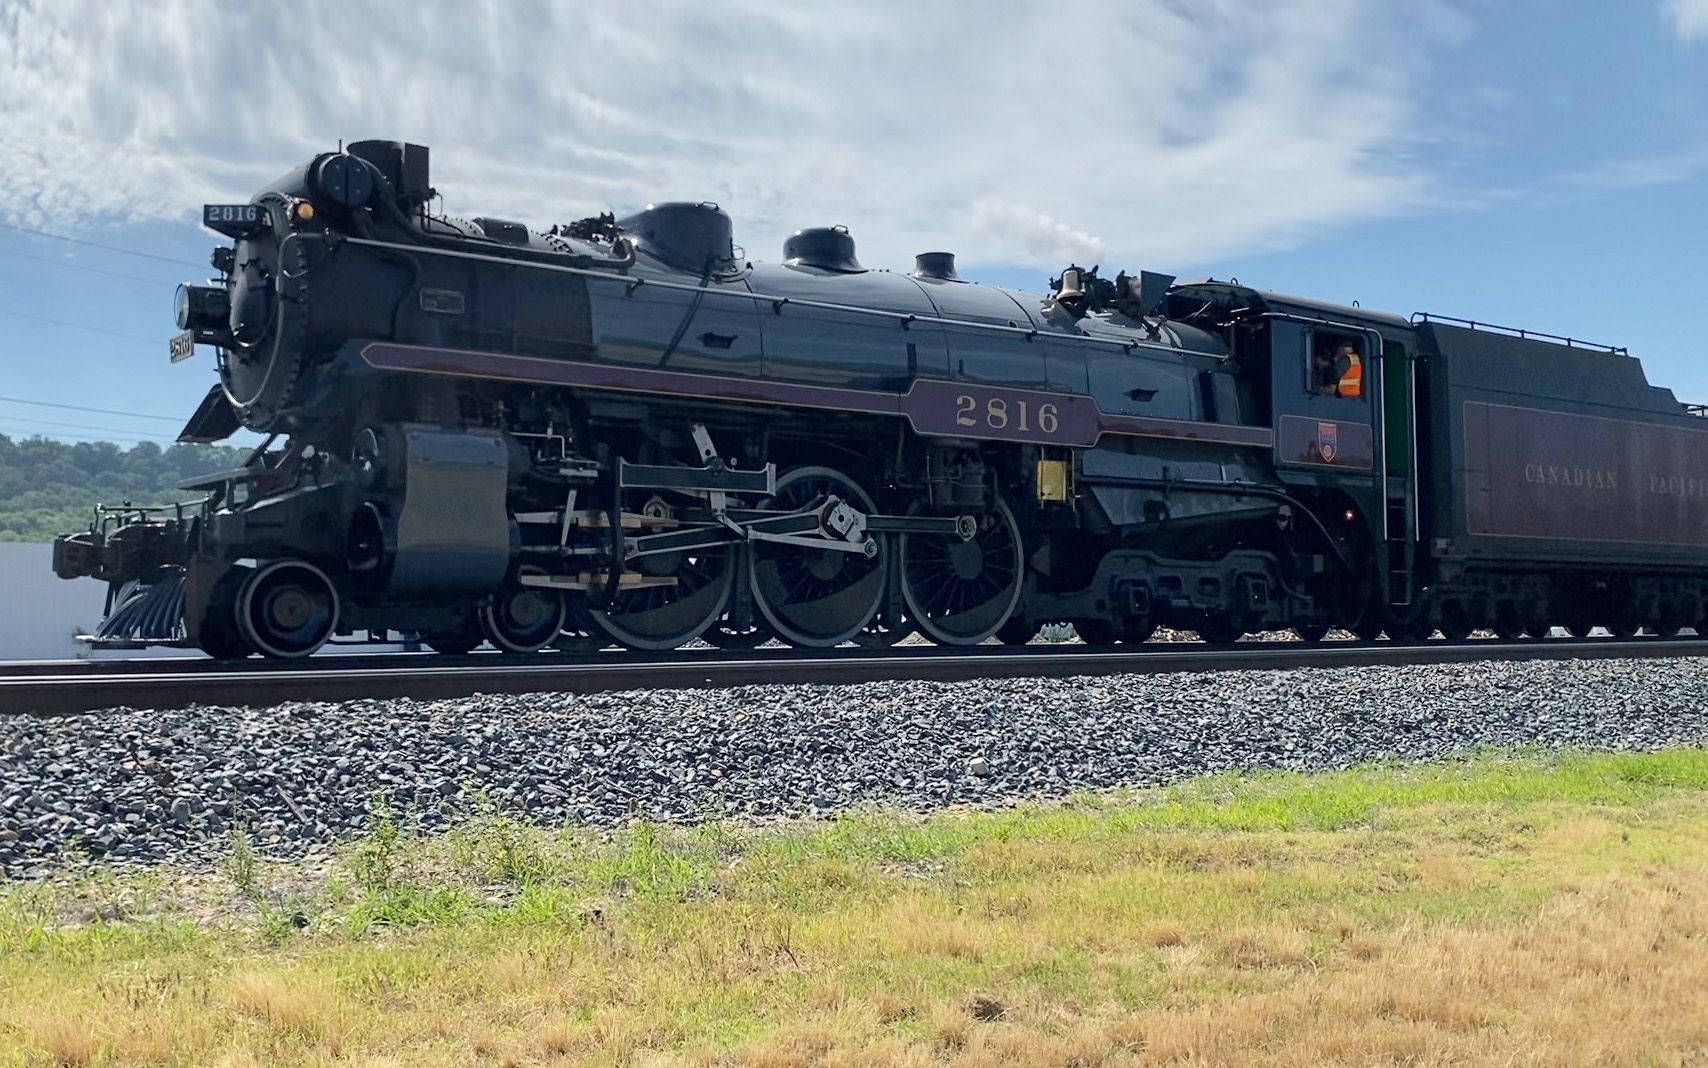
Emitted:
<point x="1348" y="372"/>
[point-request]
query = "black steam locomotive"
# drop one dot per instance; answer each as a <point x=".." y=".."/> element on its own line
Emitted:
<point x="622" y="432"/>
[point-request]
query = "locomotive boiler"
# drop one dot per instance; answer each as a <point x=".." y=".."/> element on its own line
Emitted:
<point x="621" y="431"/>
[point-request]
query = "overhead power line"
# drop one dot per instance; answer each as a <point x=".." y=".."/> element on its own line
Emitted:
<point x="134" y="435"/>
<point x="96" y="411"/>
<point x="77" y="326"/>
<point x="97" y="244"/>
<point x="75" y="266"/>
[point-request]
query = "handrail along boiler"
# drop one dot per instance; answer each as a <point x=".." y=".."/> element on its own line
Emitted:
<point x="619" y="431"/>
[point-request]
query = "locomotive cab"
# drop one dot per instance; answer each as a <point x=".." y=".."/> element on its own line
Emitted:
<point x="1341" y="390"/>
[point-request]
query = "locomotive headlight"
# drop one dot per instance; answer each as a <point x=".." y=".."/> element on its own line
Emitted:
<point x="202" y="307"/>
<point x="341" y="180"/>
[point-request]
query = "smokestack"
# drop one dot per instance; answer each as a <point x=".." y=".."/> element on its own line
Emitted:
<point x="938" y="265"/>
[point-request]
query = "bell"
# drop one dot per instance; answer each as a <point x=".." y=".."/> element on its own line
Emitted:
<point x="1072" y="289"/>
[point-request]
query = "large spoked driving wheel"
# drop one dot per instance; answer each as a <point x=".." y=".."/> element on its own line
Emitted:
<point x="959" y="592"/>
<point x="664" y="616"/>
<point x="286" y="609"/>
<point x="523" y="619"/>
<point x="812" y="596"/>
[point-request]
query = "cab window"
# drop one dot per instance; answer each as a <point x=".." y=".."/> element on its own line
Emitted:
<point x="1338" y="363"/>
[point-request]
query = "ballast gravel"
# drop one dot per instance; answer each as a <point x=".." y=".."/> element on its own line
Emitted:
<point x="152" y="786"/>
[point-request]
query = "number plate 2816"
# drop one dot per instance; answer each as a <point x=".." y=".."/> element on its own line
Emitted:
<point x="182" y="346"/>
<point x="233" y="220"/>
<point x="961" y="409"/>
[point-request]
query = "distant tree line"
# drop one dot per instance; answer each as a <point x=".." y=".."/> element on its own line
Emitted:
<point x="49" y="487"/>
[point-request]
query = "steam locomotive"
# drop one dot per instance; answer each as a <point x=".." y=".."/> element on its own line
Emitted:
<point x="619" y="431"/>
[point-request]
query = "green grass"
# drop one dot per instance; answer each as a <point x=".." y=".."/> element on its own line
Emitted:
<point x="1346" y="912"/>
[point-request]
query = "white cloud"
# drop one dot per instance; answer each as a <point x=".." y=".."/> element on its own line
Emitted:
<point x="1156" y="132"/>
<point x="1688" y="18"/>
<point x="1637" y="172"/>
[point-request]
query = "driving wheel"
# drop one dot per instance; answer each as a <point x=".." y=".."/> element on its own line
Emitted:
<point x="812" y="596"/>
<point x="961" y="590"/>
<point x="665" y="615"/>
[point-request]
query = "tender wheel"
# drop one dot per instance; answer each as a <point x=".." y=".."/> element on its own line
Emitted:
<point x="218" y="635"/>
<point x="1365" y="621"/>
<point x="523" y="619"/>
<point x="1508" y="625"/>
<point x="1311" y="632"/>
<point x="817" y="597"/>
<point x="1455" y="622"/>
<point x="959" y="591"/>
<point x="663" y="617"/>
<point x="287" y="609"/>
<point x="1624" y="625"/>
<point x="1410" y="629"/>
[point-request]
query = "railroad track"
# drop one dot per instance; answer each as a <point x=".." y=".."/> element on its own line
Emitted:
<point x="70" y="687"/>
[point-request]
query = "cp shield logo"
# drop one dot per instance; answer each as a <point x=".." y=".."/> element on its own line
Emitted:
<point x="1328" y="441"/>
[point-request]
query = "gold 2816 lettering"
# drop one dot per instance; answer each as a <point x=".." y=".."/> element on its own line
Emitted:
<point x="997" y="414"/>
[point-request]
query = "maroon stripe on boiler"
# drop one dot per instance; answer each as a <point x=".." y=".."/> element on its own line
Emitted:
<point x="469" y="363"/>
<point x="1186" y="429"/>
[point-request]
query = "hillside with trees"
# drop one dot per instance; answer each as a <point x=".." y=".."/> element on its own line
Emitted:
<point x="49" y="487"/>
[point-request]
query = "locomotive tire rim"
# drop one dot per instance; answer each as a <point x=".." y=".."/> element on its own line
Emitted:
<point x="662" y="618"/>
<point x="932" y="566"/>
<point x="817" y="598"/>
<point x="523" y="619"/>
<point x="287" y="609"/>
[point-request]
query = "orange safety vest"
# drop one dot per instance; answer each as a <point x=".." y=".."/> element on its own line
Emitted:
<point x="1351" y="382"/>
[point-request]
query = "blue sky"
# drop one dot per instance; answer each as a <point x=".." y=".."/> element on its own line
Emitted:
<point x="1529" y="163"/>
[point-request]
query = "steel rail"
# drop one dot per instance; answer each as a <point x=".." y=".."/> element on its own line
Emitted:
<point x="166" y="684"/>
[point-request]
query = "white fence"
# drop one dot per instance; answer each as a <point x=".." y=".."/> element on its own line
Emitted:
<point x="40" y="612"/>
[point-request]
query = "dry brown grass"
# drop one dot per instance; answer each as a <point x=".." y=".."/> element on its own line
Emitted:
<point x="1541" y="933"/>
<point x="62" y="1040"/>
